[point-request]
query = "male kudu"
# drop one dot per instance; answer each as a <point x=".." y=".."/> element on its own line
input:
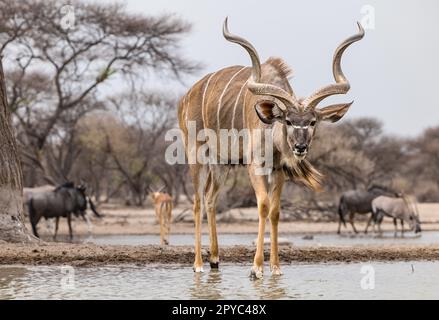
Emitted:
<point x="253" y="99"/>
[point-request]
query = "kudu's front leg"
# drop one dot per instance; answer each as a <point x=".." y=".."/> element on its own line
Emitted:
<point x="259" y="185"/>
<point x="276" y="186"/>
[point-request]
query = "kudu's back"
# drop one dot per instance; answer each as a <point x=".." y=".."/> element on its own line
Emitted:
<point x="221" y="99"/>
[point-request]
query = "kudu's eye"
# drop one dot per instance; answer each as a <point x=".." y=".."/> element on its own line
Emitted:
<point x="313" y="123"/>
<point x="288" y="122"/>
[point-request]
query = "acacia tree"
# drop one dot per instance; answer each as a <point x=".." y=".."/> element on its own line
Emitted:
<point x="124" y="146"/>
<point x="54" y="70"/>
<point x="11" y="187"/>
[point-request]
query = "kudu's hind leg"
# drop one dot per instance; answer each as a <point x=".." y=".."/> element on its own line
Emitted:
<point x="217" y="176"/>
<point x="198" y="179"/>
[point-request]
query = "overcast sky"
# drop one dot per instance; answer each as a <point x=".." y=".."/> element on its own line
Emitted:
<point x="393" y="71"/>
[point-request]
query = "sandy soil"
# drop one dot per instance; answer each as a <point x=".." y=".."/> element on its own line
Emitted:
<point x="94" y="255"/>
<point x="130" y="220"/>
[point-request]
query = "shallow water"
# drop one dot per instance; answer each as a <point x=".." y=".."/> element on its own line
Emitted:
<point x="400" y="280"/>
<point x="429" y="237"/>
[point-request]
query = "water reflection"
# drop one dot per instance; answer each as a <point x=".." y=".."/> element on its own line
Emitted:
<point x="270" y="287"/>
<point x="394" y="280"/>
<point x="207" y="286"/>
<point x="11" y="281"/>
<point x="330" y="239"/>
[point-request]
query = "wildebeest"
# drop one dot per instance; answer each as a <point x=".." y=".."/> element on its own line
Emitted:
<point x="29" y="192"/>
<point x="163" y="210"/>
<point x="60" y="202"/>
<point x="398" y="209"/>
<point x="359" y="201"/>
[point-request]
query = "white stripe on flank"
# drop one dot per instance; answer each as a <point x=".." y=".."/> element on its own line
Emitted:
<point x="187" y="101"/>
<point x="204" y="95"/>
<point x="243" y="109"/>
<point x="221" y="98"/>
<point x="236" y="103"/>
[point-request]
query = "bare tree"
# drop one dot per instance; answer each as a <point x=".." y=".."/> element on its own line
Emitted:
<point x="11" y="188"/>
<point x="55" y="70"/>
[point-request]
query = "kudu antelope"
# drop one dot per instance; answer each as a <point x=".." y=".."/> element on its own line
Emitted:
<point x="163" y="210"/>
<point x="256" y="98"/>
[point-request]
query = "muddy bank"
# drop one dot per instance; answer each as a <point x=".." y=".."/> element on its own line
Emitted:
<point x="94" y="255"/>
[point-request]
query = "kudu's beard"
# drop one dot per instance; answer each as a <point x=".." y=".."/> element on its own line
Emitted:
<point x="297" y="170"/>
<point x="302" y="171"/>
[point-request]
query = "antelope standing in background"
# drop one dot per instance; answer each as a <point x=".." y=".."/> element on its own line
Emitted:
<point x="402" y="209"/>
<point x="256" y="98"/>
<point x="163" y="210"/>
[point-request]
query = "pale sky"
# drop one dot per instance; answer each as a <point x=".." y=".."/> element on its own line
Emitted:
<point x="393" y="71"/>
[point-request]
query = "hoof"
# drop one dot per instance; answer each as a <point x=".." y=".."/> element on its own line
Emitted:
<point x="275" y="271"/>
<point x="198" y="269"/>
<point x="214" y="265"/>
<point x="256" y="272"/>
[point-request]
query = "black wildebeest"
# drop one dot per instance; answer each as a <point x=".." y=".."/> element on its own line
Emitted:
<point x="359" y="201"/>
<point x="60" y="202"/>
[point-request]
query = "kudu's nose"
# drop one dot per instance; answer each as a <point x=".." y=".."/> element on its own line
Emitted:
<point x="300" y="147"/>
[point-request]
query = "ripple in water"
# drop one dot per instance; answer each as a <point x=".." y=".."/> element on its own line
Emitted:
<point x="401" y="280"/>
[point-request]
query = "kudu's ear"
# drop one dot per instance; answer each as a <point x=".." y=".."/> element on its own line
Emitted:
<point x="334" y="112"/>
<point x="268" y="111"/>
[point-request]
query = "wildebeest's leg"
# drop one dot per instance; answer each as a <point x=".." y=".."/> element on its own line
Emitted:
<point x="351" y="221"/>
<point x="395" y="223"/>
<point x="368" y="223"/>
<point x="34" y="228"/>
<point x="341" y="214"/>
<point x="56" y="228"/>
<point x="275" y="192"/>
<point x="259" y="185"/>
<point x="69" y="222"/>
<point x="198" y="174"/>
<point x="217" y="176"/>
<point x="33" y="217"/>
<point x="380" y="220"/>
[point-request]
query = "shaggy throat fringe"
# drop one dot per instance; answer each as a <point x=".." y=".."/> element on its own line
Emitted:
<point x="304" y="172"/>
